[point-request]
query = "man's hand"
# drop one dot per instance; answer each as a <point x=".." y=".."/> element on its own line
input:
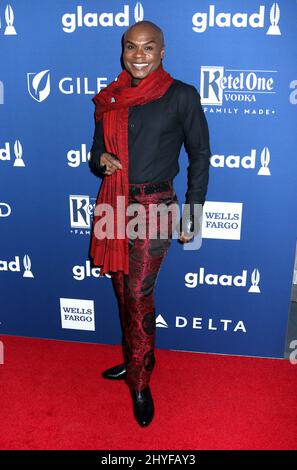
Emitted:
<point x="186" y="228"/>
<point x="189" y="223"/>
<point x="112" y="164"/>
<point x="185" y="239"/>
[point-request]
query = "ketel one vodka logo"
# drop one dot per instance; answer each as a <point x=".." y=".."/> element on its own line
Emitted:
<point x="39" y="85"/>
<point x="9" y="18"/>
<point x="5" y="153"/>
<point x="218" y="84"/>
<point x="81" y="18"/>
<point x="81" y="211"/>
<point x="203" y="20"/>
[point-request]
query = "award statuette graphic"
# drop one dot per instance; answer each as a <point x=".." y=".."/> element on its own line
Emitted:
<point x="9" y="18"/>
<point x="265" y="159"/>
<point x="274" y="19"/>
<point x="27" y="266"/>
<point x="18" y="151"/>
<point x="138" y="12"/>
<point x="255" y="279"/>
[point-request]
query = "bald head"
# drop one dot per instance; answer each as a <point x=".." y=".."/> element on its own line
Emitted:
<point x="147" y="26"/>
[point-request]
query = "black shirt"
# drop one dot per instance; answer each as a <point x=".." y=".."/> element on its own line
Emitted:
<point x="156" y="133"/>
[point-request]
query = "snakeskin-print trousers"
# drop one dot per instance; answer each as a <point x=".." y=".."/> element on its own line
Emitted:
<point x="135" y="292"/>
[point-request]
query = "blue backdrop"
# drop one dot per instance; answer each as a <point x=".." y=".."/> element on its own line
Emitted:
<point x="232" y="295"/>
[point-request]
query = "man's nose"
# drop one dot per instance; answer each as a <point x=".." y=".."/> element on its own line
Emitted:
<point x="139" y="52"/>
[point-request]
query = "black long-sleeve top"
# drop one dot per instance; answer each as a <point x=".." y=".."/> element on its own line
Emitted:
<point x="156" y="133"/>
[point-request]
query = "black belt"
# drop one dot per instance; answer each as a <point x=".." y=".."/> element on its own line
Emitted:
<point x="150" y="188"/>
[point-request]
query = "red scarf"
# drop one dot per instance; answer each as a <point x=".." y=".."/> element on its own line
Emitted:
<point x="112" y="105"/>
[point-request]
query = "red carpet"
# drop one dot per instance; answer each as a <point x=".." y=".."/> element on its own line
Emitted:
<point x="53" y="397"/>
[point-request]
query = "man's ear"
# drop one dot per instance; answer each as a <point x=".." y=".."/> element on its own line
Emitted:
<point x="162" y="53"/>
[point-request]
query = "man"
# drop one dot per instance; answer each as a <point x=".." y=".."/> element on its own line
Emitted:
<point x="142" y="120"/>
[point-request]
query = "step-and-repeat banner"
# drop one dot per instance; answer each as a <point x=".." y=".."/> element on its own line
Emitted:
<point x="232" y="295"/>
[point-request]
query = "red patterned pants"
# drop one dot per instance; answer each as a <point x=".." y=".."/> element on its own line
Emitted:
<point x="135" y="292"/>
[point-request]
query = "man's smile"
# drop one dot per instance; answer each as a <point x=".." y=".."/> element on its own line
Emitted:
<point x="140" y="66"/>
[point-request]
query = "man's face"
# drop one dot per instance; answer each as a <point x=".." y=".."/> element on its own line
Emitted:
<point x="143" y="51"/>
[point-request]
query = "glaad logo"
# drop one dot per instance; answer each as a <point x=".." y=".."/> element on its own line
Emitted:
<point x="5" y="209"/>
<point x="15" y="266"/>
<point x="39" y="85"/>
<point x="81" y="211"/>
<point x="5" y="153"/>
<point x="222" y="220"/>
<point x="77" y="314"/>
<point x="9" y="18"/>
<point x="1" y="93"/>
<point x="239" y="20"/>
<point x="226" y="280"/>
<point x="72" y="21"/>
<point x="76" y="157"/>
<point x="247" y="162"/>
<point x="82" y="272"/>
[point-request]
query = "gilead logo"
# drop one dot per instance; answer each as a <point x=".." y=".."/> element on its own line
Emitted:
<point x="39" y="85"/>
<point x="79" y="19"/>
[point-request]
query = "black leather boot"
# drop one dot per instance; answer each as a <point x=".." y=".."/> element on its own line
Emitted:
<point x="143" y="406"/>
<point x="115" y="373"/>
